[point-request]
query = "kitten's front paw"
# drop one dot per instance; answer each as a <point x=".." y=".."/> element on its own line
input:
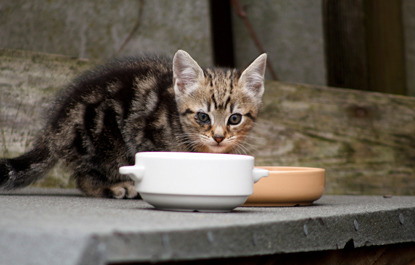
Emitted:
<point x="123" y="190"/>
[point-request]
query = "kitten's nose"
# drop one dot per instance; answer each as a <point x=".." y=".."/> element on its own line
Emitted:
<point x="218" y="139"/>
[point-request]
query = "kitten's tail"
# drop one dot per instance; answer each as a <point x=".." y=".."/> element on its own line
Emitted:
<point x="21" y="171"/>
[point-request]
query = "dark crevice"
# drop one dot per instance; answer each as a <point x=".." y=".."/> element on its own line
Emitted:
<point x="349" y="244"/>
<point x="222" y="38"/>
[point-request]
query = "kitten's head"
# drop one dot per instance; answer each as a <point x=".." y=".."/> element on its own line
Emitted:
<point x="217" y="107"/>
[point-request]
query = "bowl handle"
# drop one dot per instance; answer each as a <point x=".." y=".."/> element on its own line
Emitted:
<point x="136" y="173"/>
<point x="258" y="173"/>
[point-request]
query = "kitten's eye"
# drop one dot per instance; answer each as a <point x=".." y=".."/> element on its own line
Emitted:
<point x="203" y="117"/>
<point x="235" y="119"/>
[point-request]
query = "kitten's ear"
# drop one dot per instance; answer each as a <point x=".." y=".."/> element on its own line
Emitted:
<point x="253" y="77"/>
<point x="186" y="73"/>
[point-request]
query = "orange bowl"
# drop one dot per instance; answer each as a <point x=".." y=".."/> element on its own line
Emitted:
<point x="288" y="186"/>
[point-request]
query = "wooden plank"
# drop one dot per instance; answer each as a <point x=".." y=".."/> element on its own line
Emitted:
<point x="365" y="45"/>
<point x="345" y="44"/>
<point x="365" y="140"/>
<point x="28" y="81"/>
<point x="385" y="46"/>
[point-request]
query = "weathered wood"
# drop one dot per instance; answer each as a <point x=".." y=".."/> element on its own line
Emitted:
<point x="28" y="82"/>
<point x="366" y="141"/>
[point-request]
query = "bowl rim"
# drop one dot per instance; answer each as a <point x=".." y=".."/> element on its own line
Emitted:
<point x="167" y="155"/>
<point x="291" y="169"/>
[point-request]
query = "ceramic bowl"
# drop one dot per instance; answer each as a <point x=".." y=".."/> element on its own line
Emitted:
<point x="194" y="181"/>
<point x="288" y="186"/>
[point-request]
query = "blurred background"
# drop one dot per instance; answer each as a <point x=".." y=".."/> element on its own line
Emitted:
<point x="364" y="140"/>
<point x="360" y="44"/>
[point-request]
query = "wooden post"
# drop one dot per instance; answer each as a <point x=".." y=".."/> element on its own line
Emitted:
<point x="364" y="45"/>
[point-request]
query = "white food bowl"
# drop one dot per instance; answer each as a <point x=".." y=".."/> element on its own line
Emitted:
<point x="194" y="181"/>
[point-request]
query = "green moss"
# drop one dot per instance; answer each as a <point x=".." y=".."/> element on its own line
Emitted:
<point x="58" y="177"/>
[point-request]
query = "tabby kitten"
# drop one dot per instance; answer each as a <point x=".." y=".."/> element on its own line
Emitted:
<point x="140" y="104"/>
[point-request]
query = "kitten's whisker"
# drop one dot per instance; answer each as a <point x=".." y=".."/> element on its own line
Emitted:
<point x="243" y="149"/>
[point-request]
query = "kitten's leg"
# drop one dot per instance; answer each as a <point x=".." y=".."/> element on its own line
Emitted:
<point x="123" y="190"/>
<point x="93" y="184"/>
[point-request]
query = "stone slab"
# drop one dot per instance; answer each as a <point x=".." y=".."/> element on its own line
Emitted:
<point x="53" y="226"/>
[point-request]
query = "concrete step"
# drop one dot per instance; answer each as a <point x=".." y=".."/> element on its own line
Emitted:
<point x="55" y="226"/>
